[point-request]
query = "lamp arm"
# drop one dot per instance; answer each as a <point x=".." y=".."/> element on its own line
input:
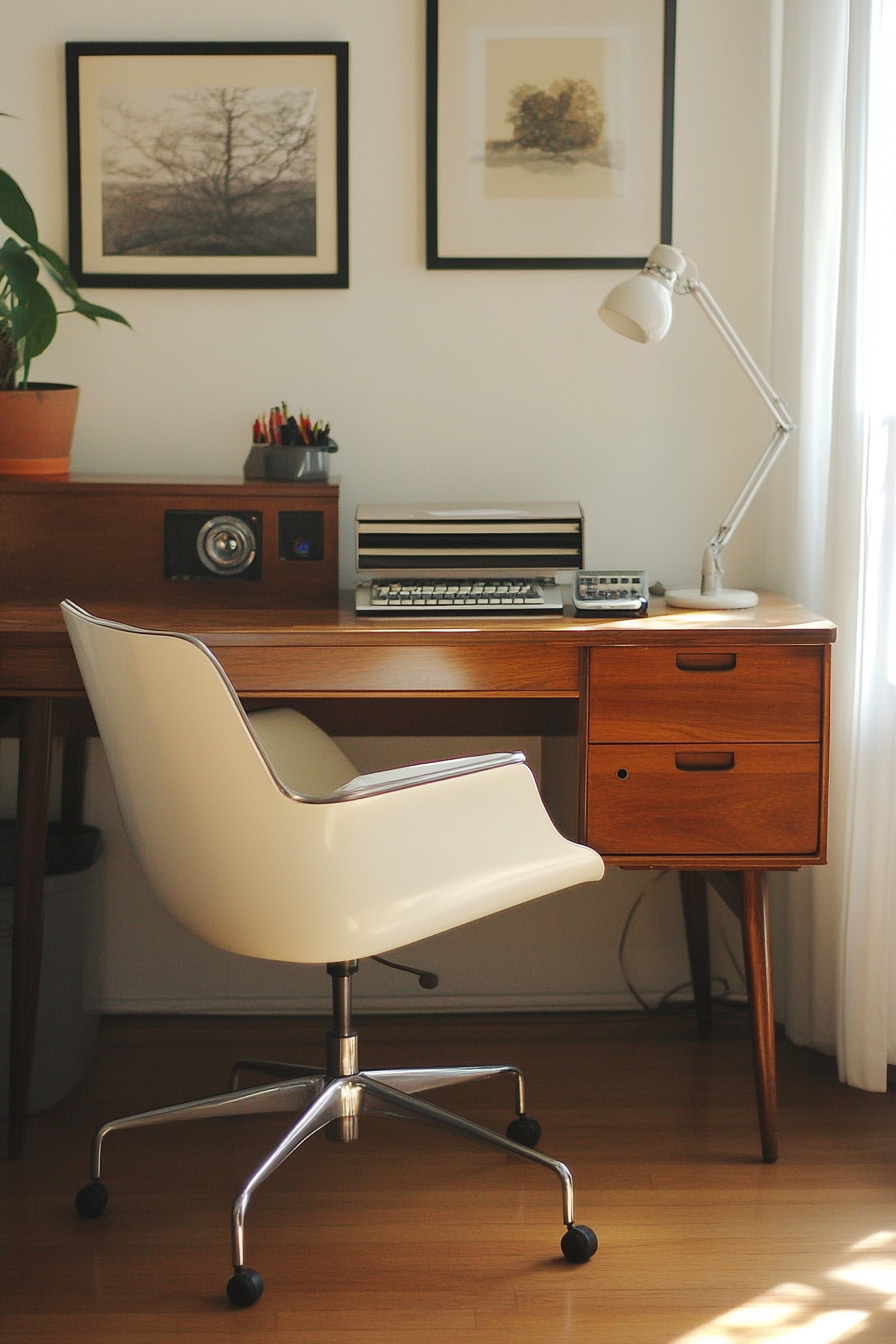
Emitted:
<point x="753" y="485"/>
<point x="777" y="405"/>
<point x="784" y="427"/>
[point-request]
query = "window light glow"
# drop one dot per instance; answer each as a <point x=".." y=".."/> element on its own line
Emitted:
<point x="880" y="222"/>
<point x="877" y="350"/>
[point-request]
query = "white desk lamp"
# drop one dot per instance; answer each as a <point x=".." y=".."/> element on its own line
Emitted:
<point x="641" y="308"/>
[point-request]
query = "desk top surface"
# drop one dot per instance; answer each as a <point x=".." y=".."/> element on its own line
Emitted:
<point x="775" y="620"/>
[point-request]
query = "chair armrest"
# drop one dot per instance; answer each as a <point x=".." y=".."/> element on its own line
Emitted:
<point x="410" y="776"/>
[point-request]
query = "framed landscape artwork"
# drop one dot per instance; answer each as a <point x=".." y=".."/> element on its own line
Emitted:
<point x="208" y="165"/>
<point x="548" y="132"/>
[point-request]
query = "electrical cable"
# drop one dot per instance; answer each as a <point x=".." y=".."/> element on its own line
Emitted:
<point x="733" y="959"/>
<point x="666" y="1002"/>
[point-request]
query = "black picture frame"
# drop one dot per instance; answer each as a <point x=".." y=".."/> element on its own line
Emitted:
<point x="293" y="230"/>
<point x="460" y="20"/>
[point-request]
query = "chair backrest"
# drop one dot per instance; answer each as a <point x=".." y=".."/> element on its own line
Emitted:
<point x="199" y="801"/>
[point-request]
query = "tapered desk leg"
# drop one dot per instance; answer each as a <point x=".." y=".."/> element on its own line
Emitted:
<point x="757" y="963"/>
<point x="695" y="907"/>
<point x="35" y="741"/>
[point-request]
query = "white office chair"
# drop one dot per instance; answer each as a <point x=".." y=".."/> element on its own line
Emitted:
<point x="257" y="836"/>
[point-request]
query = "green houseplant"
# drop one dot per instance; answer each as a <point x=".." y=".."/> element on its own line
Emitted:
<point x="32" y="414"/>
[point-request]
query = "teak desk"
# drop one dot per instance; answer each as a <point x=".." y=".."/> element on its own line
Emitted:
<point x="702" y="742"/>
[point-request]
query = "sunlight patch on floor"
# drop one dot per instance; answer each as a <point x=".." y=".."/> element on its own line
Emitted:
<point x="796" y="1313"/>
<point x="878" y="1275"/>
<point x="771" y="1318"/>
<point x="875" y="1241"/>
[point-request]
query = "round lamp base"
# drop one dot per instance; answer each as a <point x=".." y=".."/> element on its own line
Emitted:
<point x="728" y="599"/>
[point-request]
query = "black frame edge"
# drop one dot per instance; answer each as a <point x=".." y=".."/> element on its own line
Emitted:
<point x="669" y="33"/>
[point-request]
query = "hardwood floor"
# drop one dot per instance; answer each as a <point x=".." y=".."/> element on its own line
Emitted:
<point x="414" y="1235"/>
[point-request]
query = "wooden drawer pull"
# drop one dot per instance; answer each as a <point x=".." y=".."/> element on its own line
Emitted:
<point x="706" y="662"/>
<point x="704" y="760"/>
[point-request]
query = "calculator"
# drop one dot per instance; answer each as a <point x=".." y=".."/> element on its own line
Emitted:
<point x="610" y="592"/>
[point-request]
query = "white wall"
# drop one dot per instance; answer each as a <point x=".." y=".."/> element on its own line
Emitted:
<point x="439" y="386"/>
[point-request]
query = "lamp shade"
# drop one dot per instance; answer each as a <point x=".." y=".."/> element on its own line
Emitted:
<point x="639" y="308"/>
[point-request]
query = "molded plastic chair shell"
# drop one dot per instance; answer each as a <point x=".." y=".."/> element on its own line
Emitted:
<point x="257" y="837"/>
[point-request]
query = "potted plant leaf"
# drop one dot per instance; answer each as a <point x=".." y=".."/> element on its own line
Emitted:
<point x="37" y="420"/>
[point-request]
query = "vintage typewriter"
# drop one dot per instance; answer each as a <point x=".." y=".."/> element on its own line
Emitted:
<point x="447" y="560"/>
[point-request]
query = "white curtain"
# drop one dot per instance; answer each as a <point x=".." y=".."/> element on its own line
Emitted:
<point x="834" y="307"/>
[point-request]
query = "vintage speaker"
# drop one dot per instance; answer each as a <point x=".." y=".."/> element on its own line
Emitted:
<point x="192" y="542"/>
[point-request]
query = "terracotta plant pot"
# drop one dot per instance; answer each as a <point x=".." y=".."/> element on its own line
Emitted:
<point x="36" y="429"/>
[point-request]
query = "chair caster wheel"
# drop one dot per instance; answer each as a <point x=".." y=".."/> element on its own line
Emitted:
<point x="579" y="1243"/>
<point x="245" y="1288"/>
<point x="92" y="1199"/>
<point x="525" y="1130"/>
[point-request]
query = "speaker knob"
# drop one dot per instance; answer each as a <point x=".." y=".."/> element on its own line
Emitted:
<point x="226" y="545"/>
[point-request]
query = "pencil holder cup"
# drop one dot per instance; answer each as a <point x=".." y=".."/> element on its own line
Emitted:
<point x="276" y="462"/>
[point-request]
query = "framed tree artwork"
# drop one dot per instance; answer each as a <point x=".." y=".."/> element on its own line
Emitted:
<point x="548" y="132"/>
<point x="208" y="165"/>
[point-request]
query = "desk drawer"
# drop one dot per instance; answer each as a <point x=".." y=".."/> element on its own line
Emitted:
<point x="731" y="798"/>
<point x="767" y="694"/>
<point x="505" y="669"/>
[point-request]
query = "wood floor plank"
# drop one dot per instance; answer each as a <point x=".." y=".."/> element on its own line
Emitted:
<point x="411" y="1234"/>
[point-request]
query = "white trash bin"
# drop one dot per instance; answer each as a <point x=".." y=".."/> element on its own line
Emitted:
<point x="67" y="1012"/>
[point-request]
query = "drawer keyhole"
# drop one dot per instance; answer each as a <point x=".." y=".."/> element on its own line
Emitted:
<point x="622" y="773"/>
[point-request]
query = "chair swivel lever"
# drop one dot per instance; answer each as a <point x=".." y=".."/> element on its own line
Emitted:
<point x="428" y="979"/>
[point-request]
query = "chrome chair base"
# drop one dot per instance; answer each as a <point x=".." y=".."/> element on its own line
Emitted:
<point x="336" y="1104"/>
<point x="333" y="1099"/>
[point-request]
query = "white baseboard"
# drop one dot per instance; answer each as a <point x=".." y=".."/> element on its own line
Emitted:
<point x="320" y="1006"/>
